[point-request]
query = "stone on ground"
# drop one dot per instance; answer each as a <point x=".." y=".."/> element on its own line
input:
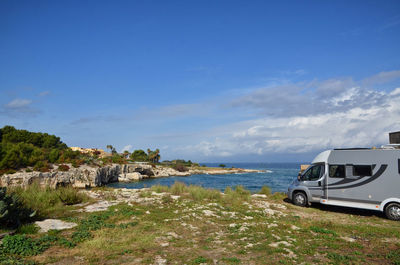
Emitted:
<point x="54" y="224"/>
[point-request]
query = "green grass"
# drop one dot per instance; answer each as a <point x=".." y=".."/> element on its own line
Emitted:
<point x="28" y="229"/>
<point x="265" y="190"/>
<point x="237" y="231"/>
<point x="48" y="202"/>
<point x="193" y="192"/>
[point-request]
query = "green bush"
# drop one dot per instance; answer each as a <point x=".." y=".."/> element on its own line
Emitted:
<point x="265" y="190"/>
<point x="46" y="201"/>
<point x="180" y="167"/>
<point x="12" y="210"/>
<point x="20" y="148"/>
<point x="70" y="196"/>
<point x="54" y="155"/>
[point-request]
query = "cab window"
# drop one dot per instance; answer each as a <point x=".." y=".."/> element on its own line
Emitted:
<point x="314" y="173"/>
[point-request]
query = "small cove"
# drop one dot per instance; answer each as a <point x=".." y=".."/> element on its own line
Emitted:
<point x="276" y="175"/>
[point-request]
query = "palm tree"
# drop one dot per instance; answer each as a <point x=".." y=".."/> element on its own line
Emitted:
<point x="112" y="149"/>
<point x="109" y="146"/>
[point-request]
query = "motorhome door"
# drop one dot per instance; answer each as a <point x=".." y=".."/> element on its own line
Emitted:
<point x="313" y="179"/>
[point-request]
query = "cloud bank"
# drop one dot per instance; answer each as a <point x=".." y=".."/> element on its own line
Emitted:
<point x="307" y="117"/>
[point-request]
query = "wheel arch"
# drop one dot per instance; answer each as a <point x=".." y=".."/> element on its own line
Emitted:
<point x="303" y="190"/>
<point x="386" y="202"/>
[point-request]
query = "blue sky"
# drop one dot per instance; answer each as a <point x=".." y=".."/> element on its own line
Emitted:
<point x="203" y="80"/>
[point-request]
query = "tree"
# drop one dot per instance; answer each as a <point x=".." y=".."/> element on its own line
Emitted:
<point x="139" y="156"/>
<point x="154" y="156"/>
<point x="222" y="165"/>
<point x="112" y="149"/>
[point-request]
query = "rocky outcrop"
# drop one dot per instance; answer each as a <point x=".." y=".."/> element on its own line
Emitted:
<point x="81" y="177"/>
<point x="87" y="176"/>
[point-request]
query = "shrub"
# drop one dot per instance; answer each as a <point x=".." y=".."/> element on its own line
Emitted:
<point x="20" y="148"/>
<point x="118" y="159"/>
<point x="222" y="165"/>
<point x="54" y="155"/>
<point x="12" y="210"/>
<point x="70" y="196"/>
<point x="180" y="168"/>
<point x="178" y="188"/>
<point x="41" y="166"/>
<point x="265" y="190"/>
<point x="75" y="163"/>
<point x="63" y="167"/>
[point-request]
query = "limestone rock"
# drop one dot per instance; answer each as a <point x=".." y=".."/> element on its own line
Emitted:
<point x="129" y="177"/>
<point x="54" y="224"/>
<point x="91" y="176"/>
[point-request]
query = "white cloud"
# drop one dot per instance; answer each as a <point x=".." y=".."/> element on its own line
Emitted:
<point x="127" y="148"/>
<point x="18" y="103"/>
<point x="301" y="122"/>
<point x="382" y="77"/>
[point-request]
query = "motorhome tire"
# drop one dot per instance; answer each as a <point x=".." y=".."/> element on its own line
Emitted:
<point x="300" y="199"/>
<point x="392" y="211"/>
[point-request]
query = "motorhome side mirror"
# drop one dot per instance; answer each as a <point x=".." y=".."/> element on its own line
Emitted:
<point x="299" y="177"/>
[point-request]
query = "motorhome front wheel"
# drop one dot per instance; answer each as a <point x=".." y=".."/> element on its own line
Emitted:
<point x="300" y="199"/>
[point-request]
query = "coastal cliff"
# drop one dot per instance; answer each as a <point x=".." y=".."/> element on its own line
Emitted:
<point x="88" y="176"/>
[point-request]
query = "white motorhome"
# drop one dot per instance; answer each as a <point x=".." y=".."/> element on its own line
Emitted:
<point x="359" y="178"/>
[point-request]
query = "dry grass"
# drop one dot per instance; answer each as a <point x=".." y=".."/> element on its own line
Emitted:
<point x="203" y="227"/>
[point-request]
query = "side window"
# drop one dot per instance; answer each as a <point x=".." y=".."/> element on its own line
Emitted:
<point x="314" y="173"/>
<point x="337" y="171"/>
<point x="362" y="170"/>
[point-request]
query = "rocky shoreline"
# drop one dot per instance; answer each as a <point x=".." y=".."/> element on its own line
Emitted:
<point x="87" y="176"/>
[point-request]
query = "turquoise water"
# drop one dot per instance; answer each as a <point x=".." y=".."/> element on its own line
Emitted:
<point x="277" y="176"/>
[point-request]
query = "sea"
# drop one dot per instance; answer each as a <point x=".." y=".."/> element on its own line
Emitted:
<point x="277" y="176"/>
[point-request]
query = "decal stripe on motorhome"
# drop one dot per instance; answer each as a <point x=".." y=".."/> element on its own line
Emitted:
<point x="370" y="179"/>
<point x="350" y="200"/>
<point x="344" y="181"/>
